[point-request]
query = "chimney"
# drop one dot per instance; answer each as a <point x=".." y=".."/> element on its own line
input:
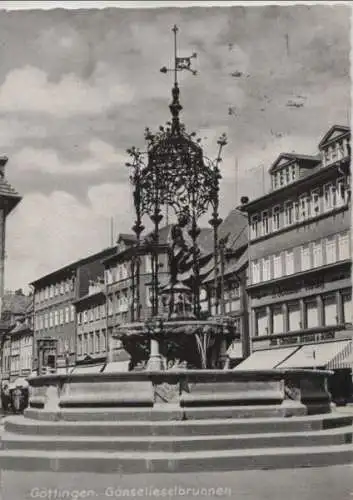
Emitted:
<point x="3" y="161"/>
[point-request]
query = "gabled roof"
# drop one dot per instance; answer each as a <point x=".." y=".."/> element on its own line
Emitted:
<point x="70" y="268"/>
<point x="285" y="158"/>
<point x="16" y="303"/>
<point x="335" y="131"/>
<point x="128" y="238"/>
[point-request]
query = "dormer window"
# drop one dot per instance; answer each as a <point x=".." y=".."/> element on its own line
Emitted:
<point x="294" y="172"/>
<point x="265" y="223"/>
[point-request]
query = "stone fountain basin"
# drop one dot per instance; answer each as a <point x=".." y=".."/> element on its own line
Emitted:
<point x="305" y="391"/>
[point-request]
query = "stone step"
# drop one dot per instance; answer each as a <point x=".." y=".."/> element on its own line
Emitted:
<point x="228" y="426"/>
<point x="162" y="462"/>
<point x="338" y="436"/>
<point x="167" y="412"/>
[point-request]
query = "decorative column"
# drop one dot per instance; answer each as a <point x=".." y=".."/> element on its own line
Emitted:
<point x="155" y="329"/>
<point x="320" y="310"/>
<point x="302" y="314"/>
<point x="285" y="317"/>
<point x="269" y="320"/>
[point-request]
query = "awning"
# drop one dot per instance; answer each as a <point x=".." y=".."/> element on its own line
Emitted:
<point x="266" y="359"/>
<point x="87" y="369"/>
<point x="343" y="359"/>
<point x="62" y="370"/>
<point x="117" y="367"/>
<point x="315" y="355"/>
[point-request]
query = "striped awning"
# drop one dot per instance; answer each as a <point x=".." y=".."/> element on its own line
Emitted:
<point x="266" y="359"/>
<point x="344" y="359"/>
<point x="117" y="367"/>
<point x="318" y="355"/>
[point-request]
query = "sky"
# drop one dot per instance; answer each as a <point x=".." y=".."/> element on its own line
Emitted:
<point x="78" y="87"/>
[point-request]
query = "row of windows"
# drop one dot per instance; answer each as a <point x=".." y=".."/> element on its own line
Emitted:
<point x="123" y="271"/>
<point x="326" y="310"/>
<point x="54" y="290"/>
<point x="307" y="206"/>
<point x="23" y="362"/>
<point x="315" y="254"/>
<point x="65" y="346"/>
<point x="120" y="302"/>
<point x="91" y="343"/>
<point x="92" y="314"/>
<point x="55" y="317"/>
<point x="336" y="151"/>
<point x="285" y="176"/>
<point x="118" y="273"/>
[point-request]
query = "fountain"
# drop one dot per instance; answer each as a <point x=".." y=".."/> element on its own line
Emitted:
<point x="194" y="415"/>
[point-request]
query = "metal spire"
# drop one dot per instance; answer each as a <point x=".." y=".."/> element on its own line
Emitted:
<point x="180" y="64"/>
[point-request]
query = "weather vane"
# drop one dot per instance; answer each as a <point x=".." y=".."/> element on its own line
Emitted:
<point x="180" y="63"/>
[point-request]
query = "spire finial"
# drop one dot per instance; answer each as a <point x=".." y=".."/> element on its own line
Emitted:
<point x="180" y="64"/>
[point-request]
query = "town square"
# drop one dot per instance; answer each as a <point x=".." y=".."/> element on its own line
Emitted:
<point x="175" y="251"/>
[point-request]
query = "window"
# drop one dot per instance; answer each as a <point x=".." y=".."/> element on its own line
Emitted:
<point x="62" y="288"/>
<point x="254" y="229"/>
<point x="311" y="314"/>
<point x="277" y="319"/>
<point x="67" y="315"/>
<point x="56" y="289"/>
<point x="317" y="254"/>
<point x="109" y="276"/>
<point x="102" y="311"/>
<point x="61" y="317"/>
<point x="266" y="269"/>
<point x="67" y="286"/>
<point x="84" y="316"/>
<point x="148" y="264"/>
<point x="315" y="203"/>
<point x="261" y="322"/>
<point x="329" y="197"/>
<point x="79" y="318"/>
<point x="347" y="307"/>
<point x="276" y="225"/>
<point x="56" y="318"/>
<point x="90" y="343"/>
<point x="294" y="323"/>
<point x="330" y="310"/>
<point x="277" y="266"/>
<point x="46" y="293"/>
<point x="281" y="178"/>
<point x="305" y="258"/>
<point x="91" y="314"/>
<point x="46" y="322"/>
<point x="72" y="313"/>
<point x="342" y="195"/>
<point x="79" y="345"/>
<point x="255" y="271"/>
<point x="110" y="306"/>
<point x="41" y="322"/>
<point x="51" y="319"/>
<point x="288" y="175"/>
<point x="149" y="296"/>
<point x="288" y="213"/>
<point x="97" y="342"/>
<point x="296" y="205"/>
<point x="51" y="291"/>
<point x="304" y="207"/>
<point x="85" y="346"/>
<point x="293" y="172"/>
<point x="265" y="229"/>
<point x="274" y="181"/>
<point x="343" y="246"/>
<point x="289" y="262"/>
<point x="96" y="312"/>
<point x="330" y="246"/>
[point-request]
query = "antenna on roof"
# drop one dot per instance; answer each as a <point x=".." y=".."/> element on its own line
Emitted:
<point x="111" y="231"/>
